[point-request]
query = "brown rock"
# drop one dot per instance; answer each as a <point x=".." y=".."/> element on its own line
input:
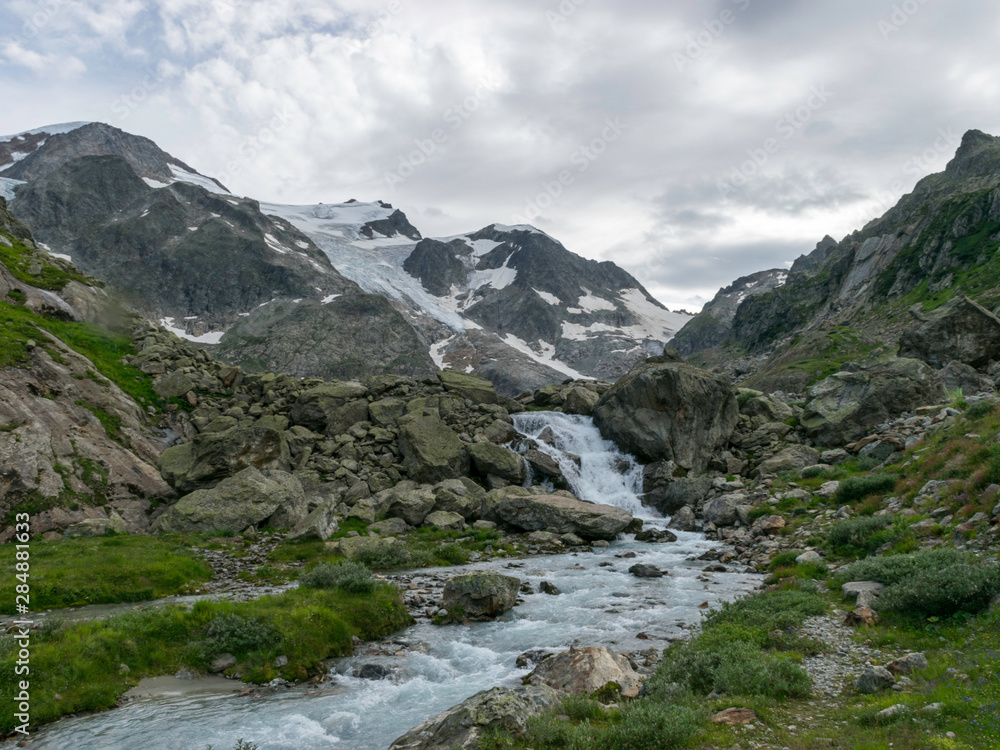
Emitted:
<point x="733" y="716"/>
<point x="862" y="616"/>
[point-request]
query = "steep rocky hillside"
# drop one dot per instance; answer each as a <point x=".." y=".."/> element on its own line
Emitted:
<point x="852" y="301"/>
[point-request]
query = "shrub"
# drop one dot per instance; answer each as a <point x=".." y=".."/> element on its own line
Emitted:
<point x="853" y="489"/>
<point x="811" y="472"/>
<point x="981" y="409"/>
<point x="235" y="634"/>
<point x="896" y="568"/>
<point x="783" y="560"/>
<point x="582" y="708"/>
<point x="943" y="592"/>
<point x="386" y="557"/>
<point x="646" y="725"/>
<point x="352" y="577"/>
<point x="862" y="535"/>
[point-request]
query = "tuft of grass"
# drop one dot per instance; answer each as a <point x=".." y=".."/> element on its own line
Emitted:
<point x="352" y="577"/>
<point x="857" y="488"/>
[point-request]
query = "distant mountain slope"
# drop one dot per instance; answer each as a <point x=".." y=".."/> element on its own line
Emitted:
<point x="848" y="301"/>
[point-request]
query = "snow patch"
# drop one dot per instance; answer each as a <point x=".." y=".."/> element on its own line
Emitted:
<point x="208" y="338"/>
<point x="7" y="186"/>
<point x="58" y="129"/>
<point x="546" y="356"/>
<point x="182" y="175"/>
<point x="592" y="303"/>
<point x="61" y="256"/>
<point x="656" y="323"/>
<point x="481" y="247"/>
<point x="550" y="298"/>
<point x="154" y="183"/>
<point x="275" y="245"/>
<point x="331" y="298"/>
<point x="437" y="351"/>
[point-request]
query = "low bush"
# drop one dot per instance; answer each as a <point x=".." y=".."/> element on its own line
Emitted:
<point x="895" y="568"/>
<point x="862" y="536"/>
<point x="943" y="592"/>
<point x="645" y="725"/>
<point x="853" y="489"/>
<point x="811" y="472"/>
<point x="981" y="409"/>
<point x="355" y="578"/>
<point x="783" y="560"/>
<point x="231" y="633"/>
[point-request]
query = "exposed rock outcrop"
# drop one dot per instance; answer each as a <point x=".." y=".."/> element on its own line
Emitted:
<point x="558" y="514"/>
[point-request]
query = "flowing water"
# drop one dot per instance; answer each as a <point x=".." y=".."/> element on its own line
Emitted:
<point x="440" y="667"/>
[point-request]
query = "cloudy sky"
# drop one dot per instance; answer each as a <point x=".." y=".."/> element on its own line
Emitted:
<point x="689" y="142"/>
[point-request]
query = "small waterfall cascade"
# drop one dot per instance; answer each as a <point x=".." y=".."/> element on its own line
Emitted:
<point x="593" y="467"/>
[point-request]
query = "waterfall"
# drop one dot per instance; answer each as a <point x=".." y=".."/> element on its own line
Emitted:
<point x="604" y="474"/>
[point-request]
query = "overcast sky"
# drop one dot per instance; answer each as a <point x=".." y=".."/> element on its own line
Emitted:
<point x="689" y="142"/>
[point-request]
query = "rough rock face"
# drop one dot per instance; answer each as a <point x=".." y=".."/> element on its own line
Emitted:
<point x="213" y="456"/>
<point x="490" y="459"/>
<point x="431" y="450"/>
<point x="959" y="330"/>
<point x="845" y="406"/>
<point x="793" y="458"/>
<point x="669" y="410"/>
<point x="584" y="671"/>
<point x="463" y="726"/>
<point x="246" y="499"/>
<point x="481" y="596"/>
<point x="331" y="408"/>
<point x="555" y="513"/>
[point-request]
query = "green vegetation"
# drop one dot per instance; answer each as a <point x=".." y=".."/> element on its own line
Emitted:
<point x="853" y="489"/>
<point x="862" y="536"/>
<point x="105" y="570"/>
<point x="87" y="666"/>
<point x="351" y="577"/>
<point x="39" y="269"/>
<point x="111" y="423"/>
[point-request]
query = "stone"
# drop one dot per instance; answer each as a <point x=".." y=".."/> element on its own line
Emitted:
<point x="844" y="407"/>
<point x="453" y="496"/>
<point x="655" y="536"/>
<point x="670" y="496"/>
<point x="683" y="520"/>
<point x="549" y="588"/>
<point x="767" y="408"/>
<point x="222" y="663"/>
<point x="358" y="546"/>
<point x="412" y="505"/>
<point x="211" y="457"/>
<point x="733" y="716"/>
<point x="174" y="384"/>
<point x="580" y="400"/>
<point x="875" y="680"/>
<point x="246" y="499"/>
<point x="834" y="457"/>
<point x="479" y="390"/>
<point x="669" y="410"/>
<point x="489" y="458"/>
<point x="464" y="725"/>
<point x="861" y="617"/>
<point x="854" y="589"/>
<point x="959" y="330"/>
<point x="556" y="513"/>
<point x="320" y="524"/>
<point x="722" y="510"/>
<point x="542" y="463"/>
<point x="809" y="557"/>
<point x="445" y="520"/>
<point x="390" y="527"/>
<point x="794" y="458"/>
<point x="387" y="411"/>
<point x="481" y="596"/>
<point x="907" y="665"/>
<point x="958" y="376"/>
<point x="768" y="526"/>
<point x="431" y="450"/>
<point x="332" y="408"/>
<point x="642" y="570"/>
<point x="97" y="526"/>
<point x="828" y="489"/>
<point x="891" y="711"/>
<point x="585" y="671"/>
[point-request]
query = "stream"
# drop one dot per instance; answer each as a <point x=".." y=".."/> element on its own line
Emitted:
<point x="434" y="667"/>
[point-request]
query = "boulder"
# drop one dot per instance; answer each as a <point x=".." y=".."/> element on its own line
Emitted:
<point x="669" y="410"/>
<point x="768" y="526"/>
<point x="734" y="716"/>
<point x="655" y="536"/>
<point x="722" y="510"/>
<point x="958" y="376"/>
<point x="642" y="570"/>
<point x="794" y="458"/>
<point x="174" y="384"/>
<point x="390" y="527"/>
<point x="246" y="499"/>
<point x="445" y="520"/>
<point x="875" y="680"/>
<point x="906" y="665"/>
<point x="498" y="461"/>
<point x="556" y="513"/>
<point x="211" y="457"/>
<point x="331" y="408"/>
<point x="384" y="413"/>
<point x="412" y="505"/>
<point x="431" y="449"/>
<point x="585" y="671"/>
<point x="675" y="494"/>
<point x="959" y="330"/>
<point x="321" y="524"/>
<point x="481" y="596"/>
<point x="464" y="725"/>
<point x="861" y="617"/>
<point x="845" y="407"/>
<point x="683" y="520"/>
<point x="478" y="390"/>
<point x="580" y="400"/>
<point x="462" y="496"/>
<point x="543" y="464"/>
<point x="113" y="524"/>
<point x="770" y="409"/>
<point x="353" y="547"/>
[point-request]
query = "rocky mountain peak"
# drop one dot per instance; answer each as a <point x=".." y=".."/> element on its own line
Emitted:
<point x="977" y="156"/>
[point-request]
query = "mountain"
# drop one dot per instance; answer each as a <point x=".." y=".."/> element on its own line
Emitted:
<point x="850" y="301"/>
<point x="331" y="290"/>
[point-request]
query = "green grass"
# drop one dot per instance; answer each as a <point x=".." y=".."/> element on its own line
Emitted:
<point x="857" y="488"/>
<point x="79" y="667"/>
<point x="37" y="269"/>
<point x="105" y="570"/>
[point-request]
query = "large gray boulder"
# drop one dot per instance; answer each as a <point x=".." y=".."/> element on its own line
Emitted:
<point x="722" y="510"/>
<point x="246" y="499"/>
<point x="669" y="410"/>
<point x="213" y="456"/>
<point x="480" y="596"/>
<point x="464" y="725"/>
<point x="584" y="671"/>
<point x="498" y="461"/>
<point x="958" y="330"/>
<point x="431" y="449"/>
<point x="331" y="408"/>
<point x="845" y="407"/>
<point x="793" y="458"/>
<point x="685" y="492"/>
<point x="477" y="389"/>
<point x="555" y="513"/>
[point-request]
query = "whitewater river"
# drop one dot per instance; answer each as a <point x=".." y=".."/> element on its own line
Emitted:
<point x="600" y="604"/>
